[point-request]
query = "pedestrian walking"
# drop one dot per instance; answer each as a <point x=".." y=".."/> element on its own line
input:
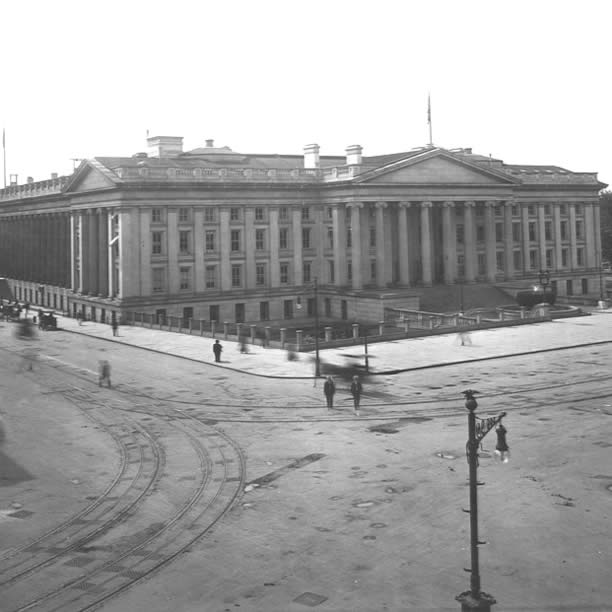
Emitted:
<point x="356" y="390"/>
<point x="243" y="344"/>
<point x="79" y="316"/>
<point x="464" y="338"/>
<point x="114" y="325"/>
<point x="217" y="348"/>
<point x="329" y="388"/>
<point x="104" y="373"/>
<point x="501" y="448"/>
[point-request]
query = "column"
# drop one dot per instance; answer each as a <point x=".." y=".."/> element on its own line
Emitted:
<point x="173" y="246"/>
<point x="542" y="235"/>
<point x="356" y="208"/>
<point x="572" y="233"/>
<point x="426" y="242"/>
<point x="146" y="250"/>
<point x="381" y="245"/>
<point x="449" y="242"/>
<point x="102" y="252"/>
<point x="592" y="234"/>
<point x="224" y="249"/>
<point x="199" y="272"/>
<point x="339" y="224"/>
<point x="525" y="236"/>
<point x="81" y="252"/>
<point x="490" y="241"/>
<point x="249" y="247"/>
<point x="508" y="242"/>
<point x="319" y="270"/>
<point x="470" y="242"/>
<point x="596" y="206"/>
<point x="73" y="253"/>
<point x="402" y="232"/>
<point x="557" y="234"/>
<point x="92" y="253"/>
<point x="297" y="247"/>
<point x="113" y="238"/>
<point x="274" y="249"/>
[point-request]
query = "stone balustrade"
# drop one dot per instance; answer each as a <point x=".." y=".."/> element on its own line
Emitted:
<point x="30" y="190"/>
<point x="145" y="173"/>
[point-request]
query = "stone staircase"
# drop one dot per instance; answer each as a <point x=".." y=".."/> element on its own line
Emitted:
<point x="447" y="298"/>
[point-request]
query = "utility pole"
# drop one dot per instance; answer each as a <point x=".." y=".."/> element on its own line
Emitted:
<point x="316" y="312"/>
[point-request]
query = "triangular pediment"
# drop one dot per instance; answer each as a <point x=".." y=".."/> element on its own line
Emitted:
<point x="90" y="176"/>
<point x="437" y="168"/>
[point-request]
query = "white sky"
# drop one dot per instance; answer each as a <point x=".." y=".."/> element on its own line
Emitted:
<point x="527" y="81"/>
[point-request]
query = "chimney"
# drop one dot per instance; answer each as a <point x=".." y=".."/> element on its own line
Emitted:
<point x="210" y="142"/>
<point x="311" y="156"/>
<point x="54" y="175"/>
<point x="353" y="155"/>
<point x="29" y="180"/>
<point x="165" y="146"/>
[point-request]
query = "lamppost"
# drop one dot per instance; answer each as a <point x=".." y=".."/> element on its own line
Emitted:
<point x="316" y="313"/>
<point x="475" y="600"/>
<point x="544" y="278"/>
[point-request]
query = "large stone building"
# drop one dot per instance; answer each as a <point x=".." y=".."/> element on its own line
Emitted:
<point x="218" y="235"/>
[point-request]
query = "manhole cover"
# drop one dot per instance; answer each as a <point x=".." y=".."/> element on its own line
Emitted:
<point x="310" y="599"/>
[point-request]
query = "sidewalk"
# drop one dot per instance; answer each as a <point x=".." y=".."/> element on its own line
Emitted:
<point x="384" y="357"/>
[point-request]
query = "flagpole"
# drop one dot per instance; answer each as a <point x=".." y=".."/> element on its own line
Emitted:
<point x="429" y="119"/>
<point x="4" y="154"/>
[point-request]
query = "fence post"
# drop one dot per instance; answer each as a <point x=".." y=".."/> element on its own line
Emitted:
<point x="267" y="338"/>
<point x="298" y="339"/>
<point x="522" y="312"/>
<point x="225" y="329"/>
<point x="201" y="327"/>
<point x="169" y="323"/>
<point x="252" y="334"/>
<point x="328" y="334"/>
<point x="381" y="328"/>
<point x="355" y="330"/>
<point x="406" y="325"/>
<point x="151" y="322"/>
<point x="190" y="325"/>
<point x="212" y="328"/>
<point x="283" y="333"/>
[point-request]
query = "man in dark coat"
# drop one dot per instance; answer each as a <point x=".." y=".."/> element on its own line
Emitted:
<point x="356" y="389"/>
<point x="217" y="348"/>
<point x="329" y="388"/>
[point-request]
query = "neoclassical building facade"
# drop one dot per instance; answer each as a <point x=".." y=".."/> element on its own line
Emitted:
<point x="217" y="235"/>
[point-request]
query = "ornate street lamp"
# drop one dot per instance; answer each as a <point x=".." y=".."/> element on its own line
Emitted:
<point x="476" y="600"/>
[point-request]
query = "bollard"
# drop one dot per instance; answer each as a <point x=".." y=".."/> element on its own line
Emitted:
<point x="190" y="325"/>
<point x="212" y="328"/>
<point x="328" y="334"/>
<point x="283" y="331"/>
<point x="268" y="334"/>
<point x="298" y="339"/>
<point x="201" y="327"/>
<point x="355" y="330"/>
<point x="225" y="329"/>
<point x="381" y="328"/>
<point x="522" y="312"/>
<point x="406" y="325"/>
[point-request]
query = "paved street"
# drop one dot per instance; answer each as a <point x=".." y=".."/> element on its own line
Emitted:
<point x="293" y="507"/>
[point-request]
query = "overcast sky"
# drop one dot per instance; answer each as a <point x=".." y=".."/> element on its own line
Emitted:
<point x="525" y="81"/>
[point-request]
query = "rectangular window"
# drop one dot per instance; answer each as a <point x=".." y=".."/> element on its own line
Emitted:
<point x="499" y="211"/>
<point x="283" y="238"/>
<point x="349" y="271"/>
<point x="564" y="232"/>
<point x="235" y="240"/>
<point x="184" y="242"/>
<point x="580" y="256"/>
<point x="372" y="237"/>
<point x="482" y="264"/>
<point x="260" y="274"/>
<point x="284" y="273"/>
<point x="517" y="260"/>
<point x="460" y="266"/>
<point x="158" y="280"/>
<point x="183" y="215"/>
<point x="373" y="270"/>
<point x="236" y="275"/>
<point x="516" y="232"/>
<point x="349" y="238"/>
<point x="260" y="239"/>
<point x="499" y="261"/>
<point x="185" y="278"/>
<point x="210" y="215"/>
<point x="234" y="214"/>
<point x="499" y="232"/>
<point x="210" y="240"/>
<point x="564" y="257"/>
<point x="283" y="213"/>
<point x="579" y="229"/>
<point x="547" y="210"/>
<point x="156" y="215"/>
<point x="533" y="259"/>
<point x="305" y="237"/>
<point x="330" y="212"/>
<point x="306" y="267"/>
<point x="305" y="213"/>
<point x="548" y="230"/>
<point x="157" y="243"/>
<point x="330" y="237"/>
<point x="549" y="258"/>
<point x="515" y="210"/>
<point x="564" y="209"/>
<point x="259" y="213"/>
<point x="531" y="211"/>
<point x="264" y="311"/>
<point x="213" y="312"/>
<point x="532" y="231"/>
<point x="579" y="209"/>
<point x="332" y="271"/>
<point x="211" y="277"/>
<point x="480" y="211"/>
<point x="480" y="233"/>
<point x="460" y="234"/>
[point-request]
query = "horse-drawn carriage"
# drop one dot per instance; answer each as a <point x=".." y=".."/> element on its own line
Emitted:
<point x="47" y="320"/>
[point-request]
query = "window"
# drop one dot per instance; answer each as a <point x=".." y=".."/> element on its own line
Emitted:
<point x="330" y="212"/>
<point x="532" y="231"/>
<point x="531" y="210"/>
<point x="283" y="213"/>
<point x="564" y="209"/>
<point x="211" y="277"/>
<point x="284" y="273"/>
<point x="264" y="311"/>
<point x="549" y="258"/>
<point x="259" y="213"/>
<point x="499" y="261"/>
<point x="349" y="271"/>
<point x="210" y="240"/>
<point x="516" y="232"/>
<point x="184" y="242"/>
<point x="306" y="267"/>
<point x="517" y="261"/>
<point x="159" y="280"/>
<point x="499" y="232"/>
<point x="580" y="256"/>
<point x="183" y="215"/>
<point x="480" y="233"/>
<point x="349" y="238"/>
<point x="547" y="209"/>
<point x="533" y="259"/>
<point x="460" y="266"/>
<point x="372" y="237"/>
<point x="482" y="264"/>
<point x="260" y="239"/>
<point x="157" y="243"/>
<point x="460" y="234"/>
<point x="548" y="230"/>
<point x="373" y="270"/>
<point x="234" y="214"/>
<point x="305" y="237"/>
<point x="305" y="213"/>
<point x="579" y="209"/>
<point x="579" y="230"/>
<point x="283" y="238"/>
<point x="156" y="215"/>
<point x="564" y="232"/>
<point x="564" y="257"/>
<point x="480" y="211"/>
<point x="185" y="278"/>
<point x="235" y="240"/>
<point x="260" y="274"/>
<point x="332" y="271"/>
<point x="330" y="237"/>
<point x="499" y="211"/>
<point x="515" y="210"/>
<point x="213" y="312"/>
<point x="210" y="215"/>
<point x="236" y="275"/>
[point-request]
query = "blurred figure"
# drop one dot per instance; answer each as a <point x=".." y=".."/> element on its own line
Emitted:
<point x="114" y="324"/>
<point x="356" y="390"/>
<point x="464" y="338"/>
<point x="501" y="448"/>
<point x="27" y="334"/>
<point x="329" y="388"/>
<point x="104" y="373"/>
<point x="217" y="349"/>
